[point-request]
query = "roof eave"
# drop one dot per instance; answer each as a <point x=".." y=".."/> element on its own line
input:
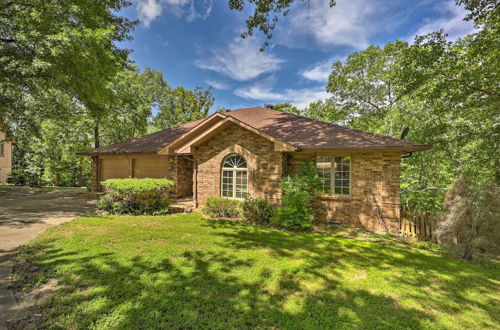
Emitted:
<point x="410" y="148"/>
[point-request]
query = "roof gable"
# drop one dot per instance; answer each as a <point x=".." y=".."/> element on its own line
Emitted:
<point x="211" y="126"/>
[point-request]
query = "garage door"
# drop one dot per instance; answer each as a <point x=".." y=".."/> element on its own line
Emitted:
<point x="150" y="167"/>
<point x="114" y="168"/>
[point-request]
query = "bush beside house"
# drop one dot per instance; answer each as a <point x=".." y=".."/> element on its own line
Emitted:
<point x="257" y="210"/>
<point x="298" y="192"/>
<point x="136" y="196"/>
<point x="217" y="207"/>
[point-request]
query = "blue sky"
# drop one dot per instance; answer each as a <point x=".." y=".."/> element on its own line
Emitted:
<point x="197" y="43"/>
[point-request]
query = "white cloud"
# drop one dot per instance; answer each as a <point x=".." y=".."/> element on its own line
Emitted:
<point x="262" y="90"/>
<point x="452" y="22"/>
<point x="241" y="60"/>
<point x="217" y="84"/>
<point x="349" y="23"/>
<point x="321" y="70"/>
<point x="357" y="23"/>
<point x="149" y="10"/>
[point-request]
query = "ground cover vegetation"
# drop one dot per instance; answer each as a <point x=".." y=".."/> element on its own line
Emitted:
<point x="183" y="271"/>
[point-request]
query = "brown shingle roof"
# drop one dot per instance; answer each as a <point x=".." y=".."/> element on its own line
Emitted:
<point x="150" y="143"/>
<point x="306" y="133"/>
<point x="300" y="132"/>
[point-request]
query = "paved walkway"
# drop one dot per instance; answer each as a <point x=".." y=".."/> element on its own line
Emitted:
<point x="24" y="213"/>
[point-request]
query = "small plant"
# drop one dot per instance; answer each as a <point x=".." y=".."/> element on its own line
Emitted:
<point x="136" y="196"/>
<point x="257" y="210"/>
<point x="217" y="207"/>
<point x="298" y="191"/>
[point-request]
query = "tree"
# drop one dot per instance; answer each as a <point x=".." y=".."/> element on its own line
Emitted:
<point x="287" y="107"/>
<point x="470" y="223"/>
<point x="180" y="106"/>
<point x="266" y="15"/>
<point x="363" y="87"/>
<point x="126" y="113"/>
<point x="64" y="45"/>
<point x="326" y="110"/>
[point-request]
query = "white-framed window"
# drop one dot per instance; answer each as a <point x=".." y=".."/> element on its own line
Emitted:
<point x="234" y="177"/>
<point x="336" y="174"/>
<point x="1" y="149"/>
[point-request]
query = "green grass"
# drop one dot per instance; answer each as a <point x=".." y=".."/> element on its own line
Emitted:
<point x="181" y="271"/>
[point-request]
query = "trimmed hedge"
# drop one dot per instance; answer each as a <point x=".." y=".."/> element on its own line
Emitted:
<point x="218" y="207"/>
<point x="136" y="196"/>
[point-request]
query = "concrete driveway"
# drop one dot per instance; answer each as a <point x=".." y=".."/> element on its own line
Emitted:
<point x="26" y="212"/>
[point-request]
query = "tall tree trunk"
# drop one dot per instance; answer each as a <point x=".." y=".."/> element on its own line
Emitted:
<point x="96" y="135"/>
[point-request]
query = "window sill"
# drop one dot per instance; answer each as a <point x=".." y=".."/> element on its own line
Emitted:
<point x="335" y="197"/>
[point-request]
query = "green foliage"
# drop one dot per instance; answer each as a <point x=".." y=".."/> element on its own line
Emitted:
<point x="165" y="272"/>
<point x="257" y="210"/>
<point x="24" y="178"/>
<point x="326" y="110"/>
<point x="363" y="88"/>
<point x="218" y="207"/>
<point x="136" y="196"/>
<point x="59" y="45"/>
<point x="180" y="105"/>
<point x="298" y="191"/>
<point x="287" y="107"/>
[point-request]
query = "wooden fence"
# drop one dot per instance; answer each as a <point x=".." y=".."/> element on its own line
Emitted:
<point x="420" y="225"/>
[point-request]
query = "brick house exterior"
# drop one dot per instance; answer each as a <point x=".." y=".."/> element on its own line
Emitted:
<point x="361" y="171"/>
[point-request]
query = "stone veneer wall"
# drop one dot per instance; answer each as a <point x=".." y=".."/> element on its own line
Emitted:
<point x="375" y="185"/>
<point x="264" y="164"/>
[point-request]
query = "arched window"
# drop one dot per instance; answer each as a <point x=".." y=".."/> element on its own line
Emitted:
<point x="234" y="177"/>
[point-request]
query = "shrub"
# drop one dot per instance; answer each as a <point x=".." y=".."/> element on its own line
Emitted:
<point x="298" y="191"/>
<point x="257" y="210"/>
<point x="136" y="196"/>
<point x="24" y="178"/>
<point x="470" y="222"/>
<point x="217" y="207"/>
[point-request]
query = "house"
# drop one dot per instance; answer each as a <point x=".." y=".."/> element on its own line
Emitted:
<point x="248" y="151"/>
<point x="5" y="156"/>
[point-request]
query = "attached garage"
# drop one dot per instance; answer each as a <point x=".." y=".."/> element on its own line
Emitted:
<point x="134" y="166"/>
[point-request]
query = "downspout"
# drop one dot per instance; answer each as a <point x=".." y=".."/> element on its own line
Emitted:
<point x="406" y="154"/>
<point x="195" y="183"/>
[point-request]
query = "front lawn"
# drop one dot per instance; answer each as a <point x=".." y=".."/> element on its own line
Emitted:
<point x="182" y="271"/>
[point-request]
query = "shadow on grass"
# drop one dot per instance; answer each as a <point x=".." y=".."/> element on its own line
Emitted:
<point x="421" y="270"/>
<point x="211" y="289"/>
